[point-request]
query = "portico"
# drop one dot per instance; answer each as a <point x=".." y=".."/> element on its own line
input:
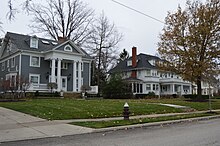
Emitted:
<point x="60" y="79"/>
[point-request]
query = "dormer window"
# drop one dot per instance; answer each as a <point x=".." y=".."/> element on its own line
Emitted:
<point x="68" y="48"/>
<point x="34" y="42"/>
<point x="152" y="62"/>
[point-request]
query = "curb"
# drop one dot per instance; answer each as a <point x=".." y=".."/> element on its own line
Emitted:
<point x="155" y="124"/>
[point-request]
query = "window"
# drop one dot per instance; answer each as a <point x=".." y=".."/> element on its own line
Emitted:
<point x="148" y="86"/>
<point x="139" y="73"/>
<point x="77" y="83"/>
<point x="171" y="75"/>
<point x="13" y="62"/>
<point x="152" y="62"/>
<point x="12" y="79"/>
<point x="68" y="48"/>
<point x="148" y="72"/>
<point x="34" y="79"/>
<point x="3" y="66"/>
<point x="8" y="62"/>
<point x="155" y="87"/>
<point x="129" y="63"/>
<point x="35" y="61"/>
<point x="154" y="73"/>
<point x="34" y="42"/>
<point x="64" y="65"/>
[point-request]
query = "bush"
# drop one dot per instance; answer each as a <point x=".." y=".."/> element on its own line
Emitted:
<point x="36" y="93"/>
<point x="116" y="88"/>
<point x="195" y="97"/>
<point x="149" y="95"/>
<point x="174" y="95"/>
<point x="141" y="96"/>
<point x="47" y="94"/>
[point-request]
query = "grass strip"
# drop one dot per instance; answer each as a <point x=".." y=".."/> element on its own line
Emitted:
<point x="114" y="123"/>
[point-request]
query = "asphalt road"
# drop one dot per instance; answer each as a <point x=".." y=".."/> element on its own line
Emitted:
<point x="202" y="133"/>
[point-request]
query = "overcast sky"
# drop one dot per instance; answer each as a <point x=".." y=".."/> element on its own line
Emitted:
<point x="138" y="30"/>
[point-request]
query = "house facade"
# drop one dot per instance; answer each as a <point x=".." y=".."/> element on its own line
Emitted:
<point x="145" y="77"/>
<point x="42" y="61"/>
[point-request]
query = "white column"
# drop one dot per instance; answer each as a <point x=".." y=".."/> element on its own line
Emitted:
<point x="59" y="75"/>
<point x="74" y="76"/>
<point x="89" y="74"/>
<point x="181" y="89"/>
<point x="79" y="76"/>
<point x="190" y="89"/>
<point x="173" y="88"/>
<point x="132" y="87"/>
<point x="53" y="80"/>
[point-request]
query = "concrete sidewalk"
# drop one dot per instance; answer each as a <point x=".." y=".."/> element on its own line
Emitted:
<point x="18" y="126"/>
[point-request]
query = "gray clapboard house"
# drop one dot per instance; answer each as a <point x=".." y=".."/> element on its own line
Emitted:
<point x="42" y="61"/>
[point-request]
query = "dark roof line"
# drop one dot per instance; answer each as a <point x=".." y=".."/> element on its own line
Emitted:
<point x="143" y="63"/>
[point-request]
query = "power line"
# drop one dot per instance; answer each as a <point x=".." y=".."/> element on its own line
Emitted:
<point x="137" y="11"/>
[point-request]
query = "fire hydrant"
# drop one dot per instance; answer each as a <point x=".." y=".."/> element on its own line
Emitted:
<point x="126" y="111"/>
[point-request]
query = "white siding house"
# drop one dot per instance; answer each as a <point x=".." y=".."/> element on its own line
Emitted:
<point x="144" y="76"/>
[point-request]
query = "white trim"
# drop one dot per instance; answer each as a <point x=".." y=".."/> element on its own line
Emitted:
<point x="13" y="62"/>
<point x="71" y="48"/>
<point x="74" y="46"/>
<point x="3" y="66"/>
<point x="74" y="76"/>
<point x="8" y="63"/>
<point x="19" y="72"/>
<point x="31" y="65"/>
<point x="90" y="74"/>
<point x="34" y="45"/>
<point x="9" y="76"/>
<point x="32" y="53"/>
<point x="36" y="75"/>
<point x="9" y="57"/>
<point x="59" y="74"/>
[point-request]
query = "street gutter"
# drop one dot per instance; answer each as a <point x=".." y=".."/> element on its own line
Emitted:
<point x="155" y="124"/>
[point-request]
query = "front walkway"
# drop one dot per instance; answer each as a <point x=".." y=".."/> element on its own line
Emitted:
<point x="18" y="126"/>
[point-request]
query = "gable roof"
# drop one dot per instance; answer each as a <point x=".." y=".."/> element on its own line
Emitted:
<point x="142" y="63"/>
<point x="22" y="42"/>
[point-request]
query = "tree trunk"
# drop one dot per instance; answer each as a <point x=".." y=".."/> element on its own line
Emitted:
<point x="99" y="69"/>
<point x="199" y="87"/>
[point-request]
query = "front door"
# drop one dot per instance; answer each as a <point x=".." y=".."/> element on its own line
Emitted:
<point x="64" y="83"/>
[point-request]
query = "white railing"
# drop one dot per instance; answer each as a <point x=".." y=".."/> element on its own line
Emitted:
<point x="39" y="87"/>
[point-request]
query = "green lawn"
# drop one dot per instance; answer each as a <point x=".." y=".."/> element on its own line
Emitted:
<point x="59" y="109"/>
<point x="196" y="105"/>
<point x="114" y="123"/>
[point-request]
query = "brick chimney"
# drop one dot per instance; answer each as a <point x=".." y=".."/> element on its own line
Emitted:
<point x="62" y="39"/>
<point x="134" y="62"/>
<point x="134" y="56"/>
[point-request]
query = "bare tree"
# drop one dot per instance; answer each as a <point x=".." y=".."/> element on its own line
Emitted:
<point x="57" y="18"/>
<point x="102" y="44"/>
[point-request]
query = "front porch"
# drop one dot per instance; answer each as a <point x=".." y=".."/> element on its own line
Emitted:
<point x="179" y="89"/>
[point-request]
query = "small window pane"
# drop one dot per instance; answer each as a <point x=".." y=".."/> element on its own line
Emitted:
<point x="34" y="79"/>
<point x="35" y="61"/>
<point x="148" y="87"/>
